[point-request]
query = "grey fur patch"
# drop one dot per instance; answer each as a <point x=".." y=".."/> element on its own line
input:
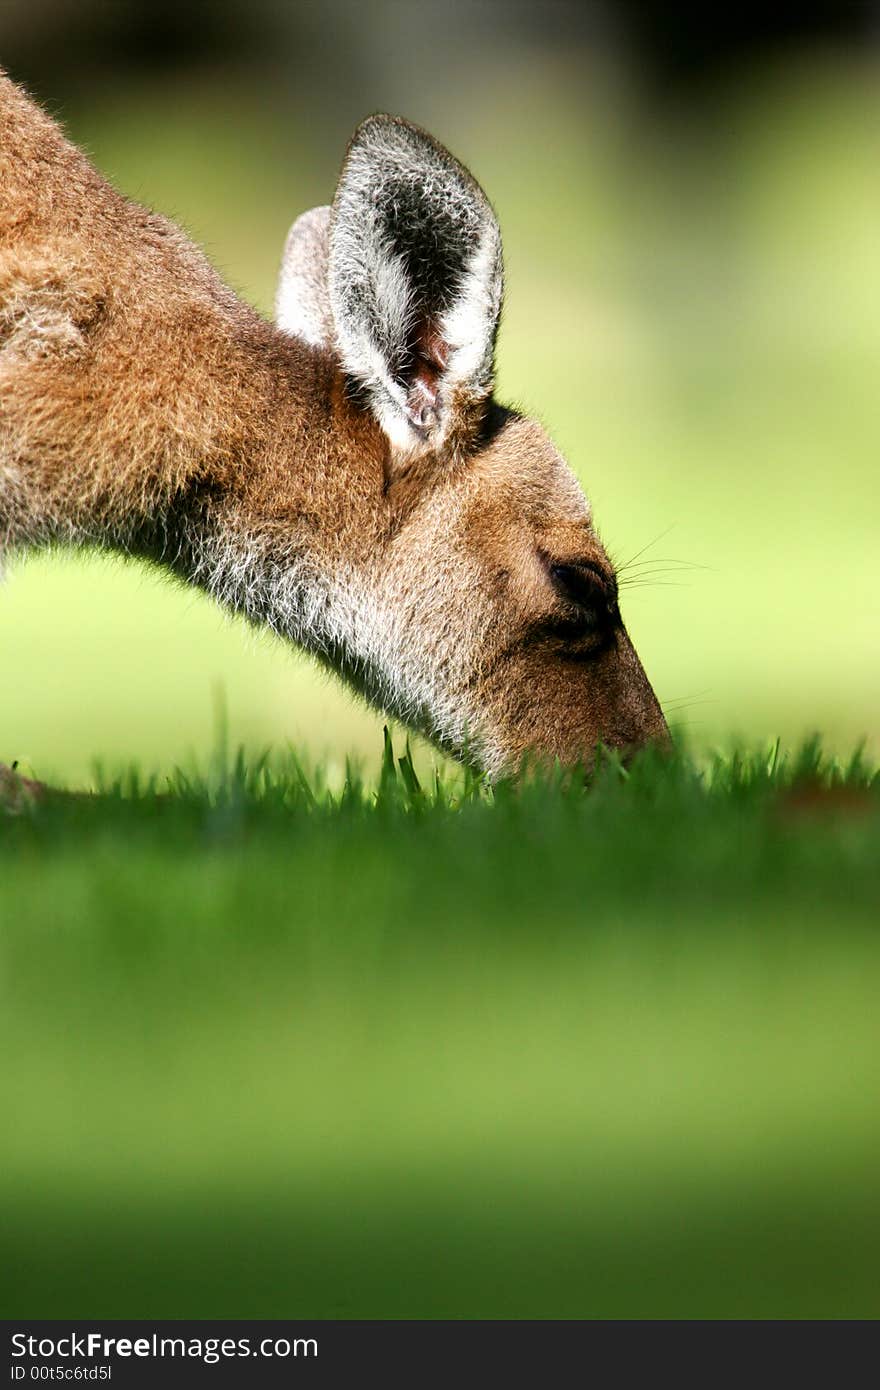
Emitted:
<point x="302" y="302"/>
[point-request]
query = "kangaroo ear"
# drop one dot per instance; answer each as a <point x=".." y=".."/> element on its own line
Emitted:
<point x="415" y="280"/>
<point x="302" y="302"/>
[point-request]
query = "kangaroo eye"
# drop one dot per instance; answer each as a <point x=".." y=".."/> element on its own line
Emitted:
<point x="585" y="586"/>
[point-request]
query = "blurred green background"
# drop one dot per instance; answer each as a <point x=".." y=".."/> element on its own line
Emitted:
<point x="692" y="235"/>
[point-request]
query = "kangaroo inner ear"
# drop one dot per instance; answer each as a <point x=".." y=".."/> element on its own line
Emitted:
<point x="302" y="301"/>
<point x="415" y="283"/>
<point x="428" y="361"/>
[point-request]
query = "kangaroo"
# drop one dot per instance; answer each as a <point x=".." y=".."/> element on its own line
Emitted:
<point x="345" y="476"/>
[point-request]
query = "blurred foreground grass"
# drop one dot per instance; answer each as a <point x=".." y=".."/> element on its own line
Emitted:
<point x="272" y="1050"/>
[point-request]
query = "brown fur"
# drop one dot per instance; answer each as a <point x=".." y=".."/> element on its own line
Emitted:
<point x="144" y="407"/>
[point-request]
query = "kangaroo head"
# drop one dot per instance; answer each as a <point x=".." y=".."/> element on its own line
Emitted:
<point x="490" y="619"/>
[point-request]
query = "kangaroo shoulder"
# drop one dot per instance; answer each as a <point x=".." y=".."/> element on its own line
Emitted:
<point x="48" y="303"/>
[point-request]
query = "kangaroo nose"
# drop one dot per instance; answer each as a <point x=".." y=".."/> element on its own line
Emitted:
<point x="638" y="718"/>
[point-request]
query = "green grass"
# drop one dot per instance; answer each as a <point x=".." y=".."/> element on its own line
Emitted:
<point x="273" y="1048"/>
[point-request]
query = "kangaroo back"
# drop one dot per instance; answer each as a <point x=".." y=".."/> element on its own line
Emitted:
<point x="128" y="371"/>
